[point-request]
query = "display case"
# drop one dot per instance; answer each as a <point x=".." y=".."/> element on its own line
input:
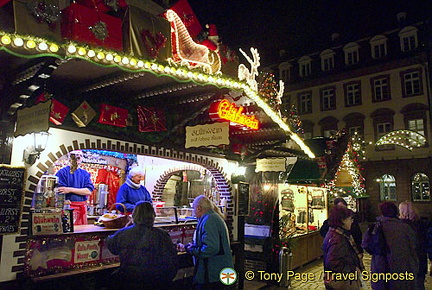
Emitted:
<point x="173" y="215"/>
<point x="303" y="208"/>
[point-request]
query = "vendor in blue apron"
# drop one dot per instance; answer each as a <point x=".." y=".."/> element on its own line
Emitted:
<point x="76" y="184"/>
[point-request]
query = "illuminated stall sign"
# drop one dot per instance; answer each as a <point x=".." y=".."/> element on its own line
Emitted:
<point x="225" y="110"/>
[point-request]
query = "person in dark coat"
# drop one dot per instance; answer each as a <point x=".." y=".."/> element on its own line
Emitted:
<point x="148" y="257"/>
<point x="409" y="215"/>
<point x="355" y="228"/>
<point x="341" y="254"/>
<point x="401" y="258"/>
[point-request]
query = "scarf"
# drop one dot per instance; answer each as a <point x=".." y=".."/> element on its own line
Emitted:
<point x="350" y="239"/>
<point x="132" y="184"/>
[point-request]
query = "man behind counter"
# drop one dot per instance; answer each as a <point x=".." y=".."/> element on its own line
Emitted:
<point x="131" y="192"/>
<point x="76" y="184"/>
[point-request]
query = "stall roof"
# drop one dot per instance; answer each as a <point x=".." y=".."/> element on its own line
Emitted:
<point x="184" y="94"/>
<point x="304" y="171"/>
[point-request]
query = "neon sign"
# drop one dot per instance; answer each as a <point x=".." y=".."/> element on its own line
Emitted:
<point x="225" y="110"/>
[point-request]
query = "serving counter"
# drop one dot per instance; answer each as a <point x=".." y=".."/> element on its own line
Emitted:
<point x="85" y="252"/>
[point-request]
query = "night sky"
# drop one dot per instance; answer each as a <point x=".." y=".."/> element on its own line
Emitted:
<point x="300" y="26"/>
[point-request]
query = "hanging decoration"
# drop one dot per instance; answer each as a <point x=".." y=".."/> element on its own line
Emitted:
<point x="405" y="138"/>
<point x="151" y="119"/>
<point x="153" y="42"/>
<point x="114" y="116"/>
<point x="83" y="115"/>
<point x="58" y="110"/>
<point x="99" y="30"/>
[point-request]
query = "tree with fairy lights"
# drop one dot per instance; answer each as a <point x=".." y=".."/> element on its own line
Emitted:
<point x="268" y="90"/>
<point x="349" y="164"/>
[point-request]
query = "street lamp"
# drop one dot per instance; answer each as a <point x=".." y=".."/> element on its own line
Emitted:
<point x="32" y="152"/>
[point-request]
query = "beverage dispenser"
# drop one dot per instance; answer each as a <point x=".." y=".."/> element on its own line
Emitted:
<point x="46" y="194"/>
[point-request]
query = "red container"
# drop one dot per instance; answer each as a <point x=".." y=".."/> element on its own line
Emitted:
<point x="84" y="24"/>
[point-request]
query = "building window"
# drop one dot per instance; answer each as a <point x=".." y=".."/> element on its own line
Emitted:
<point x="305" y="102"/>
<point x="408" y="38"/>
<point x="420" y="187"/>
<point x="328" y="99"/>
<point x="378" y="46"/>
<point x="284" y="71"/>
<point x="387" y="185"/>
<point x="305" y="66"/>
<point x="412" y="83"/>
<point x="351" y="51"/>
<point x="382" y="129"/>
<point x="415" y="119"/>
<point x="329" y="126"/>
<point x="307" y="129"/>
<point x="357" y="130"/>
<point x="381" y="88"/>
<point x="352" y="94"/>
<point x="416" y="125"/>
<point x="327" y="60"/>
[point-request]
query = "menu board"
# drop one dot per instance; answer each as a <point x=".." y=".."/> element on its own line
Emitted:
<point x="243" y="199"/>
<point x="11" y="198"/>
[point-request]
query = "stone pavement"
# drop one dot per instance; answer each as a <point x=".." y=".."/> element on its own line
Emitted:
<point x="313" y="269"/>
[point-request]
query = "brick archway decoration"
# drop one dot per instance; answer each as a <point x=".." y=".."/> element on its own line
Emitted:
<point x="37" y="170"/>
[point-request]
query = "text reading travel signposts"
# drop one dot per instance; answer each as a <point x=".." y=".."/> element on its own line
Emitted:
<point x="11" y="198"/>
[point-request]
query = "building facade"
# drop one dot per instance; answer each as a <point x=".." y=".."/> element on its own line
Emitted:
<point x="373" y="86"/>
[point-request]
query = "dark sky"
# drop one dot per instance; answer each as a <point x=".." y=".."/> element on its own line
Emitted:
<point x="299" y="26"/>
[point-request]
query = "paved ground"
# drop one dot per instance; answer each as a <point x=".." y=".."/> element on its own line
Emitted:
<point x="313" y="269"/>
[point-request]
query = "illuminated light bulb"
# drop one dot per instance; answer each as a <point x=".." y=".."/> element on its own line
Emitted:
<point x="100" y="55"/>
<point x="91" y="53"/>
<point x="30" y="44"/>
<point x="18" y="41"/>
<point x="140" y="63"/>
<point x="117" y="58"/>
<point x="154" y="66"/>
<point x="6" y="39"/>
<point x="109" y="57"/>
<point x="160" y="68"/>
<point x="147" y="65"/>
<point x="82" y="51"/>
<point x="133" y="62"/>
<point x="125" y="60"/>
<point x="54" y="47"/>
<point x="167" y="70"/>
<point x="71" y="48"/>
<point x="43" y="46"/>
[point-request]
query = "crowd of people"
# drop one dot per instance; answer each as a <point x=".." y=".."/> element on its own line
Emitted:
<point x="402" y="256"/>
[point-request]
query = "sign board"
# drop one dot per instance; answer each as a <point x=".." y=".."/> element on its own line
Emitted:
<point x="87" y="251"/>
<point x="225" y="110"/>
<point x="207" y="135"/>
<point x="33" y="119"/>
<point x="275" y="164"/>
<point x="243" y="199"/>
<point x="11" y="198"/>
<point x="47" y="223"/>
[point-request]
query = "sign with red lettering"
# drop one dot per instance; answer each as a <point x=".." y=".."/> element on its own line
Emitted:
<point x="225" y="110"/>
<point x="87" y="251"/>
<point x="47" y="223"/>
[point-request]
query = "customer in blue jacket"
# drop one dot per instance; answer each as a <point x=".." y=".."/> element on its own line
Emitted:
<point x="211" y="246"/>
<point x="132" y="191"/>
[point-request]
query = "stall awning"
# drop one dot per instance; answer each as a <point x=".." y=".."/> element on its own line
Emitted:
<point x="304" y="171"/>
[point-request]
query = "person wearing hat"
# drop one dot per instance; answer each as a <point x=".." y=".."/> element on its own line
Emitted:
<point x="131" y="192"/>
<point x="76" y="184"/>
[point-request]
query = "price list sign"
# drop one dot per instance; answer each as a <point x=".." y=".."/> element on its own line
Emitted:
<point x="11" y="198"/>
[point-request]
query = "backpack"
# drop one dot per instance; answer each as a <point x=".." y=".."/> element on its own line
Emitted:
<point x="374" y="241"/>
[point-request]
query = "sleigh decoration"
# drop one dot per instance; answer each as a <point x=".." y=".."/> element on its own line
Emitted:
<point x="188" y="52"/>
